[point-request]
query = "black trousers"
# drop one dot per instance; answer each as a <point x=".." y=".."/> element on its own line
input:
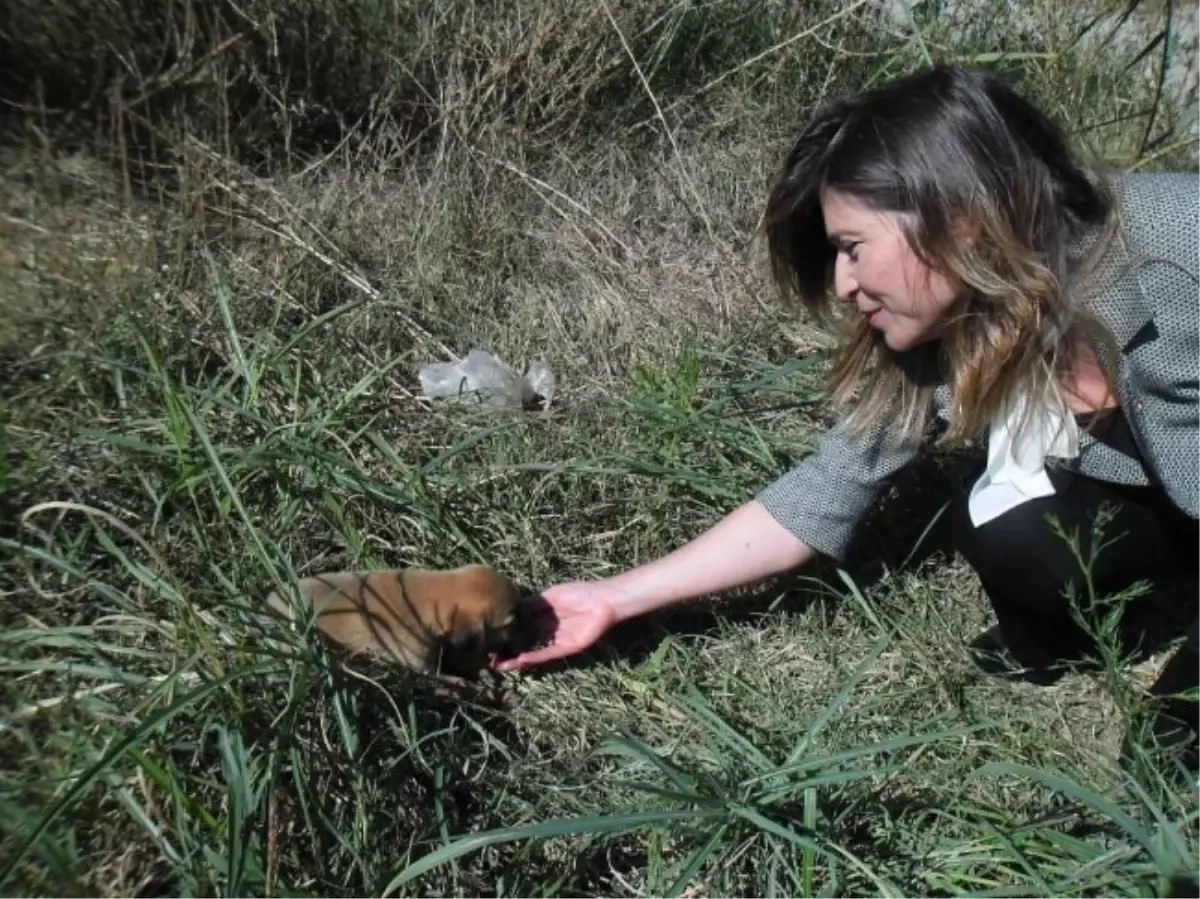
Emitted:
<point x="1027" y="568"/>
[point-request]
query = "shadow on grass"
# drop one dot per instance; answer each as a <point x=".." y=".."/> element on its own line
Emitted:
<point x="910" y="526"/>
<point x="849" y="819"/>
<point x="904" y="531"/>
<point x="401" y="750"/>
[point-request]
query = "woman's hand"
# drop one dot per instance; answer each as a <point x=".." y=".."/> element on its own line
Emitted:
<point x="573" y="616"/>
<point x="746" y="545"/>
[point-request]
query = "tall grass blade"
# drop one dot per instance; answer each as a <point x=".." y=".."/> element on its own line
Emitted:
<point x="839" y="699"/>
<point x="242" y="791"/>
<point x="221" y="291"/>
<point x="1066" y="787"/>
<point x="703" y="712"/>
<point x="267" y="560"/>
<point x="631" y="747"/>
<point x="133" y="738"/>
<point x="545" y="830"/>
<point x="702" y="855"/>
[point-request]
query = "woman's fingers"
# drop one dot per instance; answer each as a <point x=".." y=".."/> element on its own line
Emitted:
<point x="534" y="657"/>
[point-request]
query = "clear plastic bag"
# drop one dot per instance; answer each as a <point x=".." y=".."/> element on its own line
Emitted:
<point x="483" y="378"/>
<point x="539" y="383"/>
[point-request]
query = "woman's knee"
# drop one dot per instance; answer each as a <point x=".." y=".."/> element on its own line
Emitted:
<point x="1022" y="559"/>
<point x="1038" y="551"/>
<point x="1021" y="537"/>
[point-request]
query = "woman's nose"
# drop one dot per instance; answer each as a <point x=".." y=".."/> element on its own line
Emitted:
<point x="844" y="285"/>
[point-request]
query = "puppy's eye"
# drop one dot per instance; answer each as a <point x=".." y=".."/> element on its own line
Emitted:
<point x="465" y="639"/>
<point x="504" y="633"/>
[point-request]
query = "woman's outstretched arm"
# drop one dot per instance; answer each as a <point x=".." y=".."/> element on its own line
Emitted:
<point x="745" y="546"/>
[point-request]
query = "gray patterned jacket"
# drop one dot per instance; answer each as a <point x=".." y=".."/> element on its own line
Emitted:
<point x="1152" y="306"/>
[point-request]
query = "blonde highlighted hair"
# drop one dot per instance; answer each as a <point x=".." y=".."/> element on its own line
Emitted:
<point x="944" y="148"/>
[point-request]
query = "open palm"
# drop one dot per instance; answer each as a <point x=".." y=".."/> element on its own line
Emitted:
<point x="571" y="616"/>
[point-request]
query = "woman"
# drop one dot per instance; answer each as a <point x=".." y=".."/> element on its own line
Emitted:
<point x="996" y="294"/>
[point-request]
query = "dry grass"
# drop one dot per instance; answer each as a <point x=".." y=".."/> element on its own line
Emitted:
<point x="216" y="297"/>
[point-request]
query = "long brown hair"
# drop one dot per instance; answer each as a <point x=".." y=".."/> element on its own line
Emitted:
<point x="943" y="147"/>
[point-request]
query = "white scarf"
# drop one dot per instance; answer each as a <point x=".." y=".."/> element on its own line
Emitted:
<point x="1016" y="465"/>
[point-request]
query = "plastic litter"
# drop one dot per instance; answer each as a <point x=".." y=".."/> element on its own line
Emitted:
<point x="481" y="377"/>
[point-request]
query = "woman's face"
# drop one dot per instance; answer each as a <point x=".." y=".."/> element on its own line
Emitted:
<point x="878" y="271"/>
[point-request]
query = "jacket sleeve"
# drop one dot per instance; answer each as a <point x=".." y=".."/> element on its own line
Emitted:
<point x="1162" y="361"/>
<point x="822" y="499"/>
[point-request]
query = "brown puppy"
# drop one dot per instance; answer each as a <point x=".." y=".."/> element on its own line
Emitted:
<point x="430" y="621"/>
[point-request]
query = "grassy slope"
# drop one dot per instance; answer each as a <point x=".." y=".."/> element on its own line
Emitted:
<point x="217" y="364"/>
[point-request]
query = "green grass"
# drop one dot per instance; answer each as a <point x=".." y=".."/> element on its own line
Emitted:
<point x="212" y="325"/>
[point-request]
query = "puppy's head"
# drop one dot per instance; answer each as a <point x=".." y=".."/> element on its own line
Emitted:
<point x="486" y="618"/>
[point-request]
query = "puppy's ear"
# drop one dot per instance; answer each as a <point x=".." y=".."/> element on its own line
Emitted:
<point x="462" y="653"/>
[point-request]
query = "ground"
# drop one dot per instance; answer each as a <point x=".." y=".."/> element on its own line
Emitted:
<point x="216" y="300"/>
